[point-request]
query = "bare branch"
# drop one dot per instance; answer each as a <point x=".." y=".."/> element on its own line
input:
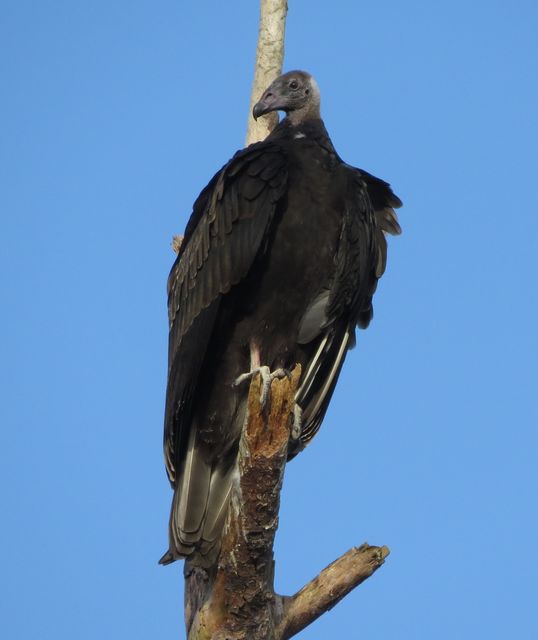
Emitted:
<point x="329" y="587"/>
<point x="177" y="241"/>
<point x="242" y="602"/>
<point x="269" y="59"/>
<point x="235" y="599"/>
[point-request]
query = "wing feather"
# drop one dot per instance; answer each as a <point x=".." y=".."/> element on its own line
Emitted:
<point x="224" y="236"/>
<point x="331" y="317"/>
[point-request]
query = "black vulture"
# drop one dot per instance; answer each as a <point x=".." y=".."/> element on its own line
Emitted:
<point x="278" y="265"/>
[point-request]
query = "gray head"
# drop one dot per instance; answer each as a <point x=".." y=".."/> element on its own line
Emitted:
<point x="296" y="93"/>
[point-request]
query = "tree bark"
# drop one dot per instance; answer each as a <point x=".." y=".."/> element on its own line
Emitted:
<point x="329" y="587"/>
<point x="235" y="598"/>
<point x="241" y="603"/>
<point x="269" y="59"/>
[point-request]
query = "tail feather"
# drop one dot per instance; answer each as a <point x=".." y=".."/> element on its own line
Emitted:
<point x="318" y="384"/>
<point x="217" y="504"/>
<point x="199" y="506"/>
<point x="192" y="492"/>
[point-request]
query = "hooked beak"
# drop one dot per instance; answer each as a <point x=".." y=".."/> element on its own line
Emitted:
<point x="266" y="104"/>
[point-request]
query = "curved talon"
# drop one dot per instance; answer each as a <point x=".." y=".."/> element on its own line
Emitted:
<point x="244" y="376"/>
<point x="297" y="422"/>
<point x="267" y="377"/>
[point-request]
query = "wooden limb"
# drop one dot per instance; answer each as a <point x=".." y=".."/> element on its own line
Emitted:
<point x="235" y="599"/>
<point x="325" y="591"/>
<point x="197" y="590"/>
<point x="269" y="59"/>
<point x="177" y="241"/>
<point x="242" y="603"/>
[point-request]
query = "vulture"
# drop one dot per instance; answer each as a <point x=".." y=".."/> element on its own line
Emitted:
<point x="278" y="265"/>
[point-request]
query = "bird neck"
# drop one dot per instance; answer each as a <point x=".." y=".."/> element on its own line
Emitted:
<point x="307" y="113"/>
<point x="287" y="128"/>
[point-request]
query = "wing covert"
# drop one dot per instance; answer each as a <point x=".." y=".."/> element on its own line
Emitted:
<point x="223" y="237"/>
<point x="232" y="216"/>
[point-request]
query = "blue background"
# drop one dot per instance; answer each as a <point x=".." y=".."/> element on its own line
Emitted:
<point x="113" y="116"/>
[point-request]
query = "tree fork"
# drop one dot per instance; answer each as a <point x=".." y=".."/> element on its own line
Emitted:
<point x="235" y="599"/>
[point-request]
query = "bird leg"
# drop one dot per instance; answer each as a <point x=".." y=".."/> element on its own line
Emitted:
<point x="267" y="377"/>
<point x="266" y="374"/>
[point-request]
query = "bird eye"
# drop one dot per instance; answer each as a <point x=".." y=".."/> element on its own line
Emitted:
<point x="293" y="84"/>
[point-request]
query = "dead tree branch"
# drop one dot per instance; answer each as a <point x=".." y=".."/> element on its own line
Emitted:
<point x="235" y="599"/>
<point x="325" y="591"/>
<point x="242" y="603"/>
<point x="269" y="59"/>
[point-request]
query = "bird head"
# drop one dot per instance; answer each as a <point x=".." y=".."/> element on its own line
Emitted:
<point x="295" y="92"/>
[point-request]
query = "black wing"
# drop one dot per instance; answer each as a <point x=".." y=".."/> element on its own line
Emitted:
<point x="384" y="201"/>
<point x="331" y="319"/>
<point x="225" y="234"/>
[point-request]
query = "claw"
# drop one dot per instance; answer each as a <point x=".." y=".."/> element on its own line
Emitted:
<point x="267" y="377"/>
<point x="297" y="422"/>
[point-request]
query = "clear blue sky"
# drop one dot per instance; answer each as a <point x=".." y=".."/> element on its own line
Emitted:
<point x="113" y="116"/>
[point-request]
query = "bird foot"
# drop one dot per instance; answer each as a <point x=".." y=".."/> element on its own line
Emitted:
<point x="297" y="426"/>
<point x="267" y="377"/>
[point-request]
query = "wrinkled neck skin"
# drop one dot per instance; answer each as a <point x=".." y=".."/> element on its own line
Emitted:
<point x="308" y="112"/>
